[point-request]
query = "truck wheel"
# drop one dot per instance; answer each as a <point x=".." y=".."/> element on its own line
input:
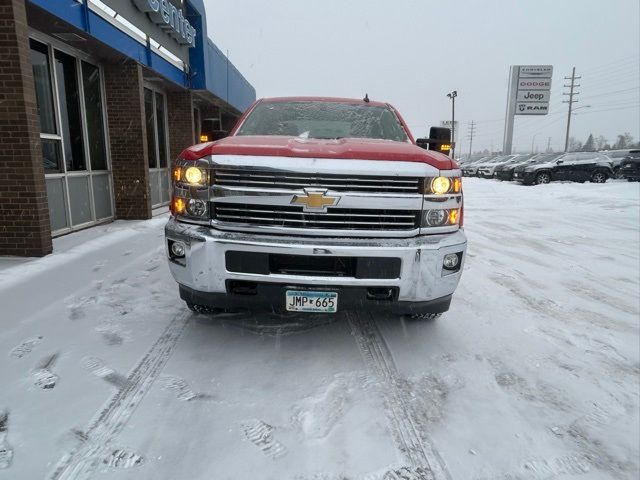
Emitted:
<point x="202" y="309"/>
<point x="424" y="316"/>
<point x="543" y="178"/>
<point x="599" y="177"/>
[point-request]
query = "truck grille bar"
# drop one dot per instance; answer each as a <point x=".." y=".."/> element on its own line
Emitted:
<point x="292" y="216"/>
<point x="267" y="179"/>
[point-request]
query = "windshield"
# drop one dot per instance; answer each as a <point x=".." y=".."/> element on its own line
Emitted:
<point x="323" y="120"/>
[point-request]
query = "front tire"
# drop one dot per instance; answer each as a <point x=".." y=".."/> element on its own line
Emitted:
<point x="599" y="177"/>
<point x="429" y="317"/>
<point x="543" y="178"/>
<point x="201" y="309"/>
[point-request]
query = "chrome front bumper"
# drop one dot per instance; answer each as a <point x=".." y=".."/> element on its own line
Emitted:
<point x="422" y="277"/>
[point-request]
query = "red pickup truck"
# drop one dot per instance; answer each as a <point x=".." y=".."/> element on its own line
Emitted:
<point x="317" y="205"/>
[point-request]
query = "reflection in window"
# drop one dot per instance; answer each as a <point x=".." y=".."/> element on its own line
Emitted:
<point x="151" y="134"/>
<point x="42" y="81"/>
<point x="51" y="158"/>
<point x="162" y="137"/>
<point x="93" y="112"/>
<point x="70" y="120"/>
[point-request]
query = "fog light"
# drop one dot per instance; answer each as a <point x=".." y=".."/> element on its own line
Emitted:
<point x="178" y="249"/>
<point x="196" y="207"/>
<point x="435" y="218"/>
<point x="451" y="261"/>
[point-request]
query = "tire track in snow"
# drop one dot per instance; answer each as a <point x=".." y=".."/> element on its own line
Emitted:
<point x="416" y="446"/>
<point x="82" y="461"/>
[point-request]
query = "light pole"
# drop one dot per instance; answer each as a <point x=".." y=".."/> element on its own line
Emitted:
<point x="533" y="140"/>
<point x="452" y="96"/>
<point x="571" y="112"/>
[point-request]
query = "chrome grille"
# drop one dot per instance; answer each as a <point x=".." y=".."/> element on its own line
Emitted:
<point x="268" y="179"/>
<point x="292" y="216"/>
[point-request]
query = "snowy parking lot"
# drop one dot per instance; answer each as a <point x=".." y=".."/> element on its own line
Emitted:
<point x="532" y="374"/>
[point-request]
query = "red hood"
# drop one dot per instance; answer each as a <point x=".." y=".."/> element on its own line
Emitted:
<point x="344" y="148"/>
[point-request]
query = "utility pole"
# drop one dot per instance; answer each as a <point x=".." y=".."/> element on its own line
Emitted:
<point x="472" y="130"/>
<point x="571" y="101"/>
<point x="452" y="96"/>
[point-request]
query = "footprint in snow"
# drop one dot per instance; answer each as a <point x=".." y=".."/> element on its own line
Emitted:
<point x="26" y="347"/>
<point x="409" y="473"/>
<point x="43" y="377"/>
<point x="98" y="266"/>
<point x="100" y="370"/>
<point x="261" y="435"/>
<point x="122" y="458"/>
<point x="6" y="453"/>
<point x="182" y="389"/>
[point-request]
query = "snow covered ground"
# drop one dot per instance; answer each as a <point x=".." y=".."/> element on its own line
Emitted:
<point x="532" y="374"/>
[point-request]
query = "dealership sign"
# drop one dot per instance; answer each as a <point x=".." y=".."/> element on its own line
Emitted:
<point x="529" y="92"/>
<point x="170" y="18"/>
<point x="533" y="89"/>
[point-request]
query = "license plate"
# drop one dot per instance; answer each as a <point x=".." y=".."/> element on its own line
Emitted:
<point x="304" y="301"/>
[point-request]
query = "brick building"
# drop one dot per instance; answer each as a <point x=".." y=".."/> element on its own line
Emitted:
<point x="96" y="98"/>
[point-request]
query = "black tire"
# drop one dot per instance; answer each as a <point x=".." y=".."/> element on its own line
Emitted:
<point x="543" y="178"/>
<point x="202" y="309"/>
<point x="599" y="177"/>
<point x="429" y="317"/>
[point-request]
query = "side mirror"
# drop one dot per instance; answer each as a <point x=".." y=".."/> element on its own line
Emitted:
<point x="213" y="135"/>
<point x="439" y="140"/>
<point x="558" y="162"/>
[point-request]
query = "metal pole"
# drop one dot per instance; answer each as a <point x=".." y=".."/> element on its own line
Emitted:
<point x="453" y="125"/>
<point x="533" y="140"/>
<point x="571" y="94"/>
<point x="471" y="137"/>
<point x="511" y="110"/>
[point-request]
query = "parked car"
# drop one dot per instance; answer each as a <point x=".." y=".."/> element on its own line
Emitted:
<point x="505" y="171"/>
<point x="471" y="169"/>
<point x="481" y="167"/>
<point x="616" y="156"/>
<point x="630" y="167"/>
<point x="574" y="166"/>
<point x="488" y="170"/>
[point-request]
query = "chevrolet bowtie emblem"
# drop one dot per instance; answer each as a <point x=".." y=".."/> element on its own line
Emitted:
<point x="315" y="201"/>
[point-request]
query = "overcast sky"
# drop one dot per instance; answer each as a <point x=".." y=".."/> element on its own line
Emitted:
<point x="410" y="53"/>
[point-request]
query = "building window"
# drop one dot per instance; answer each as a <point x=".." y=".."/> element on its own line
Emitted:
<point x="70" y="121"/>
<point x="44" y="92"/>
<point x="94" y="112"/>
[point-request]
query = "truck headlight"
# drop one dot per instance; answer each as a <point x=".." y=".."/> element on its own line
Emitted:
<point x="438" y="217"/>
<point x="196" y="207"/>
<point x="435" y="218"/>
<point x="195" y="175"/>
<point x="442" y="185"/>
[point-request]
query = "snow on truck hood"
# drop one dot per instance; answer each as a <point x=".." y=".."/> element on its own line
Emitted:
<point x="343" y="148"/>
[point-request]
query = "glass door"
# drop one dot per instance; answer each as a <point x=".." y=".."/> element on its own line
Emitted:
<point x="73" y="136"/>
<point x="155" y="109"/>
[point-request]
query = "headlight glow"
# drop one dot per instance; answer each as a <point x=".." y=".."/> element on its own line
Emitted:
<point x="440" y="185"/>
<point x="194" y="175"/>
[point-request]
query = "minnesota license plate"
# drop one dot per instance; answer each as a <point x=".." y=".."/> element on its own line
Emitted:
<point x="305" y="301"/>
